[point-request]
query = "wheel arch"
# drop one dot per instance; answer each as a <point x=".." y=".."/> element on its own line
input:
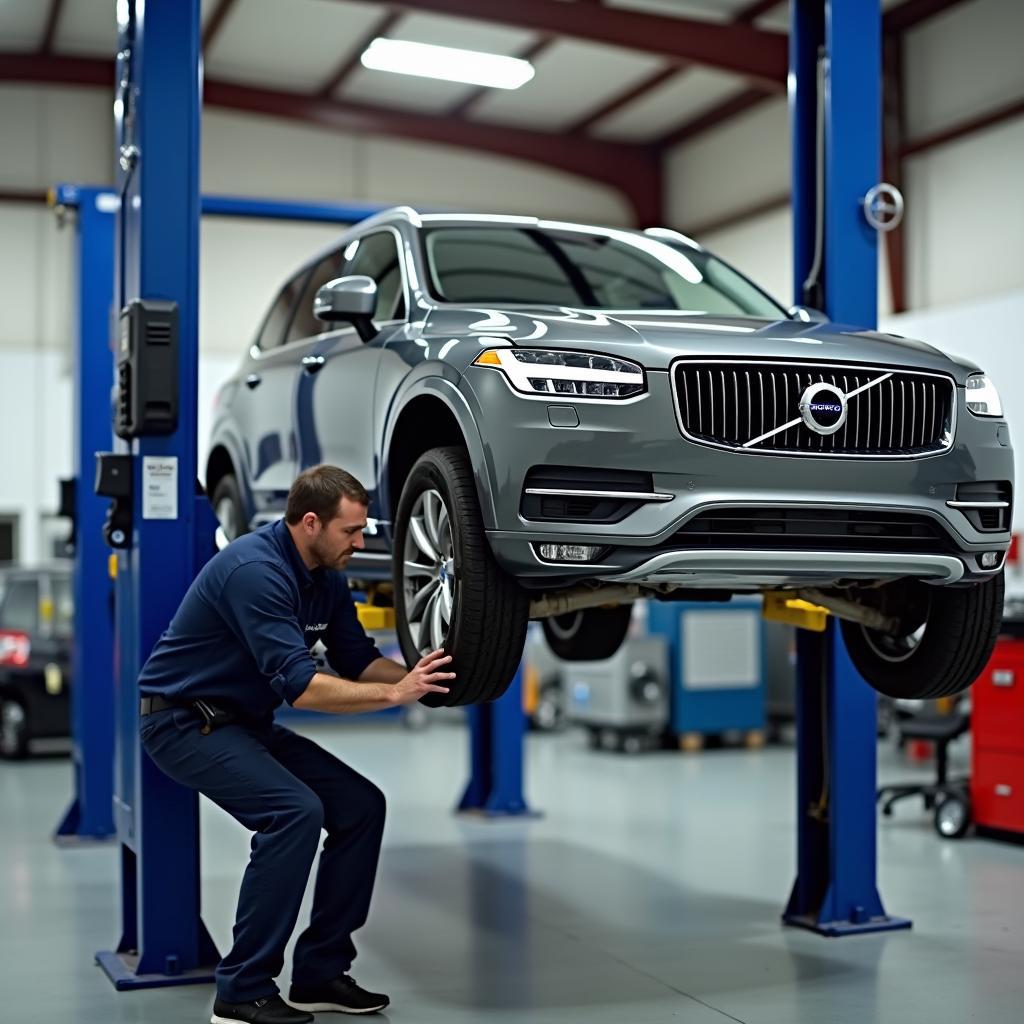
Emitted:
<point x="434" y="415"/>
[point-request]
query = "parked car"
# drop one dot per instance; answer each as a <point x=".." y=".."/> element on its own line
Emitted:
<point x="36" y="620"/>
<point x="554" y="419"/>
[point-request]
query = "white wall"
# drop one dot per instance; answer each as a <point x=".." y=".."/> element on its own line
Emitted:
<point x="965" y="218"/>
<point x="762" y="247"/>
<point x="729" y="168"/>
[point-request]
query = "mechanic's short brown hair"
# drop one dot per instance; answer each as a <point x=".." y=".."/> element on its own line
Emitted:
<point x="320" y="489"/>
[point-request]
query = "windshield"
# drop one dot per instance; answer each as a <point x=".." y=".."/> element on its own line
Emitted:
<point x="584" y="269"/>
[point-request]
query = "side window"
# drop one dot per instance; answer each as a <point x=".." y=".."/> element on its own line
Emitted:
<point x="277" y="320"/>
<point x="376" y="256"/>
<point x="21" y="607"/>
<point x="304" y="324"/>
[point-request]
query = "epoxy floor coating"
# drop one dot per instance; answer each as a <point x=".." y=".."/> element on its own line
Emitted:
<point x="649" y="891"/>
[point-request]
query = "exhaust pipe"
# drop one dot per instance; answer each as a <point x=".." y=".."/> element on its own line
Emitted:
<point x="851" y="611"/>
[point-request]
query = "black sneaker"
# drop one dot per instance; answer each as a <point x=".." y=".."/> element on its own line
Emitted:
<point x="342" y="995"/>
<point x="272" y="1010"/>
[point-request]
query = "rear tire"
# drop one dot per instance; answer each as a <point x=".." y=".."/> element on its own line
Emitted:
<point x="948" y="634"/>
<point x="449" y="590"/>
<point x="589" y="635"/>
<point x="229" y="508"/>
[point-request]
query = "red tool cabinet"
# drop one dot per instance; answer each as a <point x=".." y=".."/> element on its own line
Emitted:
<point x="997" y="727"/>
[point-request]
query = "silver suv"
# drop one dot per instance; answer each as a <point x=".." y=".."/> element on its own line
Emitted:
<point x="554" y="420"/>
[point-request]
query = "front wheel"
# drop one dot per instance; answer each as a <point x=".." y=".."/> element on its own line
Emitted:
<point x="945" y="638"/>
<point x="449" y="591"/>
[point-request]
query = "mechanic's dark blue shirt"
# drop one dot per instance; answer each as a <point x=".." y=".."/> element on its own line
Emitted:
<point x="243" y="633"/>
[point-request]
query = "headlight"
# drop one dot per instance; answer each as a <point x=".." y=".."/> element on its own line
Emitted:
<point x="569" y="374"/>
<point x="982" y="397"/>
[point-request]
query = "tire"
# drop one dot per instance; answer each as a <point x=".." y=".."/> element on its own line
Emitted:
<point x="953" y="815"/>
<point x="229" y="508"/>
<point x="590" y="635"/>
<point x="14" y="729"/>
<point x="439" y="529"/>
<point x="948" y="637"/>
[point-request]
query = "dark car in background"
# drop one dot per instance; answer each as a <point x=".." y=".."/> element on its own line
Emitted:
<point x="36" y="621"/>
<point x="554" y="420"/>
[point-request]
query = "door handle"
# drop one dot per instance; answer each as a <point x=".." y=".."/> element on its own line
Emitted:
<point x="253" y="381"/>
<point x="313" y="364"/>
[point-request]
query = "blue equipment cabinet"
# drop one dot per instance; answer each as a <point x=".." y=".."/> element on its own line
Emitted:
<point x="716" y="659"/>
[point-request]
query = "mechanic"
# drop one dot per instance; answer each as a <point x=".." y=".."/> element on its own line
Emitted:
<point x="238" y="645"/>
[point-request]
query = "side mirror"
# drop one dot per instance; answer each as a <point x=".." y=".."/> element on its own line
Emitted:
<point x="349" y="298"/>
<point x="808" y="314"/>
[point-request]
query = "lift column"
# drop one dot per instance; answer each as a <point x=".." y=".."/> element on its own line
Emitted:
<point x="90" y="817"/>
<point x="156" y="109"/>
<point x="835" y="109"/>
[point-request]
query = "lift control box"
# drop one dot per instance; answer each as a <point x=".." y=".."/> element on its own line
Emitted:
<point x="147" y="369"/>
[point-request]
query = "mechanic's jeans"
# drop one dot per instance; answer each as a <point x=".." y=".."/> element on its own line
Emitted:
<point x="284" y="788"/>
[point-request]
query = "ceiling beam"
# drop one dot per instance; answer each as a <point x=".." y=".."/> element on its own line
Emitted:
<point x="893" y="134"/>
<point x="51" y="70"/>
<point x="52" y="19"/>
<point x="215" y="22"/>
<point x="746" y="15"/>
<point x="634" y="170"/>
<point x="347" y="66"/>
<point x="741" y="49"/>
<point x="24" y="195"/>
<point x="911" y="13"/>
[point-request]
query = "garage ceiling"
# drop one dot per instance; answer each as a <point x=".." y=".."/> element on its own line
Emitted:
<point x="617" y="83"/>
<point x="582" y="84"/>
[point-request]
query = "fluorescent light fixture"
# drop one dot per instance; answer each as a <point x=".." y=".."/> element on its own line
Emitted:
<point x="447" y="62"/>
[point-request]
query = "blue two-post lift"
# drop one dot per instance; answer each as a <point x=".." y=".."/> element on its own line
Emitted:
<point x="163" y="938"/>
<point x="835" y="114"/>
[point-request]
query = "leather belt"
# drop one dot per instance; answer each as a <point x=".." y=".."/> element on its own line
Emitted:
<point x="149" y="705"/>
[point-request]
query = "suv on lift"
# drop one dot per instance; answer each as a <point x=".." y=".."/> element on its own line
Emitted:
<point x="554" y="420"/>
<point x="36" y="620"/>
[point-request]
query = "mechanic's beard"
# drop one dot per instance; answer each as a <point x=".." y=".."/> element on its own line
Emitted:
<point x="326" y="559"/>
<point x="322" y="556"/>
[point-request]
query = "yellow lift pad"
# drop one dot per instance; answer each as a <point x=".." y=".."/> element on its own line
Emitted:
<point x="781" y="606"/>
<point x="373" y="617"/>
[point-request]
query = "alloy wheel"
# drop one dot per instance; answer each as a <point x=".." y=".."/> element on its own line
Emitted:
<point x="429" y="572"/>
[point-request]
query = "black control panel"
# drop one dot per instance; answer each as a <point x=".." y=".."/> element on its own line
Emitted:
<point x="147" y="369"/>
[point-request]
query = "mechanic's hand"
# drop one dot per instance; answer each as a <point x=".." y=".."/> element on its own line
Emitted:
<point x="425" y="677"/>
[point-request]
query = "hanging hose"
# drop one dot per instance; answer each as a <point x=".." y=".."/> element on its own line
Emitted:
<point x="812" y="290"/>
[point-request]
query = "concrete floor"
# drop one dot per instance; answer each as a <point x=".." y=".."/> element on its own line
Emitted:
<point x="649" y="891"/>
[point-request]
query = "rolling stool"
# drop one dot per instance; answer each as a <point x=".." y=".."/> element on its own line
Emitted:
<point x="947" y="797"/>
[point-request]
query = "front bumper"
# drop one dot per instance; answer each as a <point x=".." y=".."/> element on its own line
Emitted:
<point x="518" y="434"/>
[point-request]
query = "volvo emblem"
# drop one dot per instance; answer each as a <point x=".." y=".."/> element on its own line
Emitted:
<point x="823" y="408"/>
